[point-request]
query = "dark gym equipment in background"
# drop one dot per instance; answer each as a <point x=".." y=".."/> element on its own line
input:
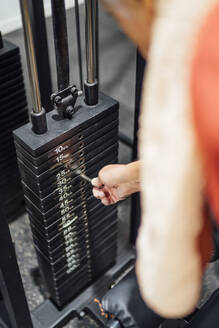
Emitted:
<point x="13" y="114"/>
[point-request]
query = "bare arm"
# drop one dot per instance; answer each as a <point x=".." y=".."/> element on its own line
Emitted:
<point x="170" y="259"/>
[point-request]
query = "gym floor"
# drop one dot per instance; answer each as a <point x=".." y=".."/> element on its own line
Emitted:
<point x="117" y="79"/>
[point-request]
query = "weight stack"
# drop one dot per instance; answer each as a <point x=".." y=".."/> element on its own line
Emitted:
<point x="13" y="114"/>
<point x="75" y="236"/>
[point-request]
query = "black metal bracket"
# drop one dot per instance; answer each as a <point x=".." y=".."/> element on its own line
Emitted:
<point x="65" y="100"/>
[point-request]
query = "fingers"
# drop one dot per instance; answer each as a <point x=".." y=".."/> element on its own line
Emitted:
<point x="103" y="196"/>
<point x="98" y="193"/>
<point x="96" y="182"/>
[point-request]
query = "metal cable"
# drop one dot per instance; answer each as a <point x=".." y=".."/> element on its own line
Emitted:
<point x="61" y="43"/>
<point x="90" y="36"/>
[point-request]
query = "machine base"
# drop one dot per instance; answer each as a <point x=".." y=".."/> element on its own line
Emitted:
<point x="47" y="315"/>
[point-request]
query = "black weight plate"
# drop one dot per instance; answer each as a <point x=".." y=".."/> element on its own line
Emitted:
<point x="8" y="144"/>
<point x="95" y="214"/>
<point x="92" y="172"/>
<point x="110" y="252"/>
<point x="16" y="117"/>
<point x="18" y="94"/>
<point x="10" y="68"/>
<point x="75" y="231"/>
<point x="45" y="225"/>
<point x="13" y="102"/>
<point x="84" y="117"/>
<point x="63" y="295"/>
<point x="70" y="178"/>
<point x="92" y="153"/>
<point x="8" y="138"/>
<point x="8" y="50"/>
<point x="10" y="191"/>
<point x="74" y="248"/>
<point x="94" y="237"/>
<point x="74" y="153"/>
<point x="60" y="221"/>
<point x="100" y="253"/>
<point x="7" y="148"/>
<point x="8" y="181"/>
<point x="46" y="206"/>
<point x="48" y="274"/>
<point x="6" y="85"/>
<point x="7" y="157"/>
<point x="64" y="261"/>
<point x="13" y="88"/>
<point x="48" y="202"/>
<point x="79" y="158"/>
<point x="13" y="125"/>
<point x="61" y="266"/>
<point x="75" y="139"/>
<point x="110" y="260"/>
<point x="11" y="114"/>
<point x="79" y="231"/>
<point x="11" y="75"/>
<point x="60" y="210"/>
<point x="11" y="170"/>
<point x="58" y="265"/>
<point x="7" y="166"/>
<point x="70" y="276"/>
<point x="9" y="59"/>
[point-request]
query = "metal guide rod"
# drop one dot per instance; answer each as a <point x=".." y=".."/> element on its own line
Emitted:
<point x="61" y="42"/>
<point x="96" y="18"/>
<point x="38" y="25"/>
<point x="91" y="36"/>
<point x="38" y="116"/>
<point x="78" y="35"/>
<point x="31" y="60"/>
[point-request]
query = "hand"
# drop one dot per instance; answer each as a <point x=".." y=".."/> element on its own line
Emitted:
<point x="116" y="182"/>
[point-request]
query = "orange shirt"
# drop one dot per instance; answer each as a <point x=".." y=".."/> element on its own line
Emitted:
<point x="205" y="97"/>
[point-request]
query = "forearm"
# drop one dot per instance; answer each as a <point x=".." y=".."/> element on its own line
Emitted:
<point x="133" y="171"/>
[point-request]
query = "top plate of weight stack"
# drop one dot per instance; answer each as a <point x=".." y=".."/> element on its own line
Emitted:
<point x="59" y="131"/>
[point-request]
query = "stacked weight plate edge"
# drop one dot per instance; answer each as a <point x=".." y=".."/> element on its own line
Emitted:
<point x="75" y="236"/>
<point x="13" y="114"/>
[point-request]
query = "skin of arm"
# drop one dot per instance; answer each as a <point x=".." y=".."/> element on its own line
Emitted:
<point x="174" y="242"/>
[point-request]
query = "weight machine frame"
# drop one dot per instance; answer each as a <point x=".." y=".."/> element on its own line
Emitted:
<point x="14" y="309"/>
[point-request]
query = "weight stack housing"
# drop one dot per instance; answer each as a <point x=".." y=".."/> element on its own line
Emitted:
<point x="13" y="114"/>
<point x="75" y="236"/>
